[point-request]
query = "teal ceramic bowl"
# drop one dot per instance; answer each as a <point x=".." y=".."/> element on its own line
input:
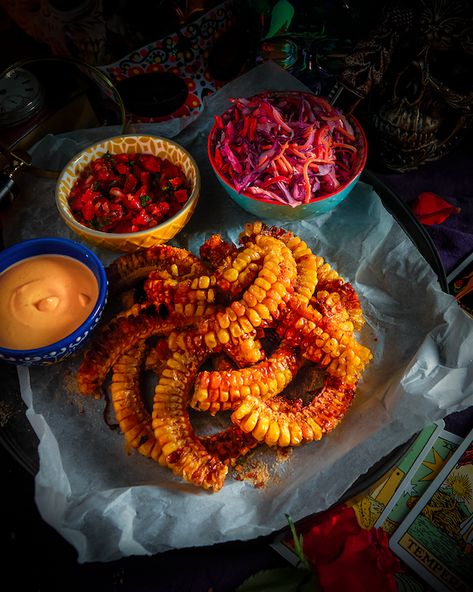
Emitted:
<point x="263" y="208"/>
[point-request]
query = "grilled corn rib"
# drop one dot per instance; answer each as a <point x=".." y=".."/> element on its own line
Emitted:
<point x="281" y="422"/>
<point x="114" y="339"/>
<point x="170" y="262"/>
<point x="183" y="452"/>
<point x="221" y="390"/>
<point x="224" y="307"/>
<point x="132" y="416"/>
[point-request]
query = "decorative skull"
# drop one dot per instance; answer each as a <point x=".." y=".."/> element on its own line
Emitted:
<point x="426" y="106"/>
<point x="417" y="68"/>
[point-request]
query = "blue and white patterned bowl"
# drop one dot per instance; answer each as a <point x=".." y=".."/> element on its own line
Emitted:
<point x="56" y="352"/>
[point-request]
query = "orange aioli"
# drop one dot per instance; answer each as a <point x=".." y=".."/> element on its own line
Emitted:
<point x="43" y="299"/>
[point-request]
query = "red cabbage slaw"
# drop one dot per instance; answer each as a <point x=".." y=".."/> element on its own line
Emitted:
<point x="285" y="147"/>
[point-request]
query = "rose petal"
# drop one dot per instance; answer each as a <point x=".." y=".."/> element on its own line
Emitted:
<point x="347" y="557"/>
<point x="326" y="536"/>
<point x="430" y="208"/>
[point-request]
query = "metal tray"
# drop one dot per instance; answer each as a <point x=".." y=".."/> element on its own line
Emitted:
<point x="18" y="437"/>
<point x="406" y="219"/>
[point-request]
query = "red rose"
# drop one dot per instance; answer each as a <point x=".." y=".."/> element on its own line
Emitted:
<point x="347" y="557"/>
<point x="326" y="538"/>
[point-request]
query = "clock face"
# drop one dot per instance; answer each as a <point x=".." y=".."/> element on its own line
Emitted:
<point x="21" y="96"/>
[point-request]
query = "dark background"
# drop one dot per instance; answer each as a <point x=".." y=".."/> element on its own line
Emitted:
<point x="34" y="556"/>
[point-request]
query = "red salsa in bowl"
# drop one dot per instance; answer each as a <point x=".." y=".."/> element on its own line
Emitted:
<point x="128" y="192"/>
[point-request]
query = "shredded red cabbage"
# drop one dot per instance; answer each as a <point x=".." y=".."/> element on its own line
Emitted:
<point x="289" y="147"/>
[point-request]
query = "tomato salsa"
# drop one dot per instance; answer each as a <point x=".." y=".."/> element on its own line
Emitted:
<point x="128" y="192"/>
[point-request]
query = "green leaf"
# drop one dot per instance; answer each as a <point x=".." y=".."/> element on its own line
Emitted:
<point x="98" y="223"/>
<point x="284" y="579"/>
<point x="281" y="18"/>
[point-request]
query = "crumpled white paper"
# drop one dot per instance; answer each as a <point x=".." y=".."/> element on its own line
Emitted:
<point x="108" y="504"/>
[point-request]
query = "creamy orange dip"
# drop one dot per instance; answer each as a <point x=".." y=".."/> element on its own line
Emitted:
<point x="43" y="299"/>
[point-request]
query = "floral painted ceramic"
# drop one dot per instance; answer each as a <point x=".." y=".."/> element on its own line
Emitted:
<point x="182" y="57"/>
<point x="56" y="352"/>
<point x="132" y="241"/>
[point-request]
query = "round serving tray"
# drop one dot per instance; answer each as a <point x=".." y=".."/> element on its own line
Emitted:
<point x="18" y="437"/>
<point x="406" y="219"/>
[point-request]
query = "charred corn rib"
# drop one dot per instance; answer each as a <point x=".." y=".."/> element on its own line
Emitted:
<point x="281" y="422"/>
<point x="128" y="269"/>
<point x="132" y="416"/>
<point x="234" y="276"/>
<point x="324" y="330"/>
<point x="306" y="262"/>
<point x="331" y="345"/>
<point x="225" y="305"/>
<point x="116" y="338"/>
<point x="218" y="391"/>
<point x="135" y="420"/>
<point x="180" y="293"/>
<point x="259" y="305"/>
<point x="182" y="450"/>
<point x="336" y="350"/>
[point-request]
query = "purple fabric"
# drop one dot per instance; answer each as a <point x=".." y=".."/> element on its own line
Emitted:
<point x="451" y="177"/>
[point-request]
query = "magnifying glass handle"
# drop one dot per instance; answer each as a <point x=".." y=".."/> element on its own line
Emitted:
<point x="8" y="190"/>
<point x="14" y="163"/>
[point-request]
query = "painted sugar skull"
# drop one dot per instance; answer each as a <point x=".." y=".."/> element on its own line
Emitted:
<point x="424" y="103"/>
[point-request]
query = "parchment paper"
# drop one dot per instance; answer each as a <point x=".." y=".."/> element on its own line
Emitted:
<point x="109" y="504"/>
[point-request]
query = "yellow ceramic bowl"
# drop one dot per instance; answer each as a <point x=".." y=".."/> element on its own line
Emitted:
<point x="131" y="241"/>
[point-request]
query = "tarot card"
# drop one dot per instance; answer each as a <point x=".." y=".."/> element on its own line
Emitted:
<point x="371" y="505"/>
<point x="460" y="284"/>
<point x="417" y="480"/>
<point x="436" y="538"/>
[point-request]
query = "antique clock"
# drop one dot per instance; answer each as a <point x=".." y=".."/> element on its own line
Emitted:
<point x="21" y="97"/>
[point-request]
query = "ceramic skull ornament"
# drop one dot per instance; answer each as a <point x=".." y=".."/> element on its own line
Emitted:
<point x="426" y="106"/>
<point x="417" y="70"/>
